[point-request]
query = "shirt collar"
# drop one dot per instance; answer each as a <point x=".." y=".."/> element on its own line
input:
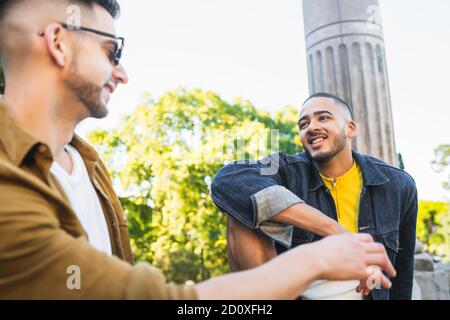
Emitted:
<point x="372" y="175"/>
<point x="88" y="154"/>
<point x="346" y="177"/>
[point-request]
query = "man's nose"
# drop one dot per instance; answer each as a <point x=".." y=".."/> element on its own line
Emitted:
<point x="313" y="126"/>
<point x="120" y="74"/>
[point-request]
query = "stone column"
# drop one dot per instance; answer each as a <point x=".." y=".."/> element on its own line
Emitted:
<point x="346" y="57"/>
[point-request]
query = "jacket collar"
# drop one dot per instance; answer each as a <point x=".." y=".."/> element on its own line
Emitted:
<point x="15" y="139"/>
<point x="372" y="175"/>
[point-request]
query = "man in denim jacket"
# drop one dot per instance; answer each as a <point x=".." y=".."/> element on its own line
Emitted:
<point x="284" y="201"/>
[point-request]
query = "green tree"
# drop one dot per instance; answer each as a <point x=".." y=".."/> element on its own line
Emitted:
<point x="163" y="158"/>
<point x="442" y="162"/>
<point x="401" y="164"/>
<point x="433" y="228"/>
<point x="439" y="216"/>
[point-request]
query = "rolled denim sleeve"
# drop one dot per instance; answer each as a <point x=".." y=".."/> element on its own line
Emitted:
<point x="268" y="203"/>
<point x="253" y="193"/>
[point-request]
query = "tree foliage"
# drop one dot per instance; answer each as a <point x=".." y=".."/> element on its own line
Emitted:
<point x="434" y="217"/>
<point x="433" y="228"/>
<point x="162" y="159"/>
<point x="442" y="162"/>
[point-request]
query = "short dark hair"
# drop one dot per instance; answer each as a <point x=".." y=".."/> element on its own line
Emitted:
<point x="331" y="96"/>
<point x="112" y="6"/>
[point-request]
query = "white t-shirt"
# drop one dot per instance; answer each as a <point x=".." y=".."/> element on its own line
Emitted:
<point x="84" y="200"/>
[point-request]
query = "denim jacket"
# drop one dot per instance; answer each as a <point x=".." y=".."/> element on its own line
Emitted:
<point x="255" y="191"/>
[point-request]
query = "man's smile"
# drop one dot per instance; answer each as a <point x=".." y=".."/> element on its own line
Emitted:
<point x="317" y="141"/>
<point x="111" y="87"/>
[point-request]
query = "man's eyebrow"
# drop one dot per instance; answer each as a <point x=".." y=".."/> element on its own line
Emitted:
<point x="317" y="113"/>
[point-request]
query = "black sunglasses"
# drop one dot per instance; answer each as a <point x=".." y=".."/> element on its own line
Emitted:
<point x="117" y="54"/>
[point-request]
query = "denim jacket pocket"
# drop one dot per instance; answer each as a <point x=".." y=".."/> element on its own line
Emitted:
<point x="391" y="242"/>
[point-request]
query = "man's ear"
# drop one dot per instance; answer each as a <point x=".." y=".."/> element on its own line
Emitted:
<point x="55" y="38"/>
<point x="352" y="130"/>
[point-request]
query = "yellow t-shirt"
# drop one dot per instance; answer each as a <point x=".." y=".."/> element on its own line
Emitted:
<point x="346" y="192"/>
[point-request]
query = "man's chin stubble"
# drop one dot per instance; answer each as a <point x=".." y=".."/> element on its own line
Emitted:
<point x="93" y="102"/>
<point x="323" y="158"/>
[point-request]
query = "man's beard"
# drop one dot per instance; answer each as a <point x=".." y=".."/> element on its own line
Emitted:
<point x="88" y="93"/>
<point x="338" y="144"/>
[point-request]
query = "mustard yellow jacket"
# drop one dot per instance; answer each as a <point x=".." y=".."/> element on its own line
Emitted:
<point x="42" y="241"/>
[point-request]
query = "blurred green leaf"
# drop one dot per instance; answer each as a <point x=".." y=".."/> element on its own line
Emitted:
<point x="433" y="228"/>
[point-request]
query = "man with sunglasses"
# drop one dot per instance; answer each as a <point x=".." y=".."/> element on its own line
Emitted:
<point x="63" y="233"/>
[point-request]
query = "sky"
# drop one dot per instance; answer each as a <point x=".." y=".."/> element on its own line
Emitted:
<point x="255" y="49"/>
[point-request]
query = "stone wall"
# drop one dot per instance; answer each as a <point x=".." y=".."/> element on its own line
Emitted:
<point x="431" y="279"/>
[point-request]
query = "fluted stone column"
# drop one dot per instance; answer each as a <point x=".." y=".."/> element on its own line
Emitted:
<point x="346" y="57"/>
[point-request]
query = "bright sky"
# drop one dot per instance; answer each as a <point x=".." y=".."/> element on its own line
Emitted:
<point x="255" y="49"/>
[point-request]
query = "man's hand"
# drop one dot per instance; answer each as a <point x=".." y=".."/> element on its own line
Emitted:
<point x="351" y="257"/>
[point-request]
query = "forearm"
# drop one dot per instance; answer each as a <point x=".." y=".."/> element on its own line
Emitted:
<point x="342" y="257"/>
<point x="277" y="279"/>
<point x="305" y="217"/>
